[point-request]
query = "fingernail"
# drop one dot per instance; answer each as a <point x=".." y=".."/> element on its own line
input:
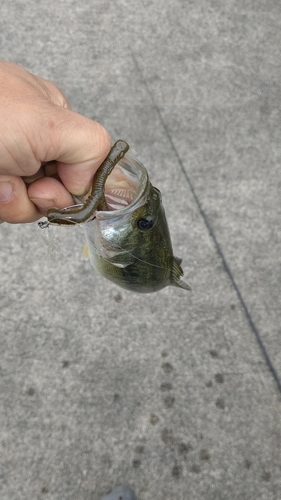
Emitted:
<point x="6" y="191"/>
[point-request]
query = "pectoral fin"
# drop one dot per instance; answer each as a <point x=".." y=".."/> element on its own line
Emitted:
<point x="121" y="260"/>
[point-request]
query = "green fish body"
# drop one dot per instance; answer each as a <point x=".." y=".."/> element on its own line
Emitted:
<point x="127" y="233"/>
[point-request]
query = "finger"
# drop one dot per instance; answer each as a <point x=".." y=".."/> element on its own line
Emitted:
<point x="28" y="179"/>
<point x="15" y="205"/>
<point x="80" y="146"/>
<point x="48" y="192"/>
<point x="48" y="169"/>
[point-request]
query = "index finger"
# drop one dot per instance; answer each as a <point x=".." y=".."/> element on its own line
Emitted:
<point x="81" y="146"/>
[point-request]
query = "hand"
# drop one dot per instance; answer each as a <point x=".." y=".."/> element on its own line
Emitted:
<point x="47" y="151"/>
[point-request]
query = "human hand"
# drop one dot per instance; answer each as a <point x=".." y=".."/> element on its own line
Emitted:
<point x="47" y="151"/>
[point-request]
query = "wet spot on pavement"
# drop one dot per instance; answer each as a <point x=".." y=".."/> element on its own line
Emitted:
<point x="118" y="297"/>
<point x="139" y="448"/>
<point x="167" y="435"/>
<point x="166" y="386"/>
<point x="136" y="463"/>
<point x="169" y="401"/>
<point x="266" y="476"/>
<point x="220" y="403"/>
<point x="204" y="454"/>
<point x="167" y="367"/>
<point x="219" y="378"/>
<point x="214" y="353"/>
<point x="184" y="448"/>
<point x="195" y="469"/>
<point x="247" y="463"/>
<point x="154" y="419"/>
<point x="176" y="471"/>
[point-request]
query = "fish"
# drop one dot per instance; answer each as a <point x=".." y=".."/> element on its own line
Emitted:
<point x="125" y="226"/>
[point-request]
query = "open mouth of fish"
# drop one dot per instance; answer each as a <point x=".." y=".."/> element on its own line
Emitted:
<point x="126" y="186"/>
<point x="119" y="185"/>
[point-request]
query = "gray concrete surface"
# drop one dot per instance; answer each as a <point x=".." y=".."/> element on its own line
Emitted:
<point x="176" y="395"/>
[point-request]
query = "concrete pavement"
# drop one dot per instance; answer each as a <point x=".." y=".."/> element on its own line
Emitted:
<point x="175" y="394"/>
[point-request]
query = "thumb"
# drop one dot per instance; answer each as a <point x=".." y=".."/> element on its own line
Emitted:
<point x="79" y="147"/>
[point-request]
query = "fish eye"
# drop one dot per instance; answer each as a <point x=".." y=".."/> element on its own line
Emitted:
<point x="145" y="223"/>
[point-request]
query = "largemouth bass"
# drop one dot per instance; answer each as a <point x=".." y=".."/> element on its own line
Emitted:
<point x="125" y="226"/>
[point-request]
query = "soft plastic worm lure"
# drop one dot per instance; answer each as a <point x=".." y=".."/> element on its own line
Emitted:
<point x="96" y="200"/>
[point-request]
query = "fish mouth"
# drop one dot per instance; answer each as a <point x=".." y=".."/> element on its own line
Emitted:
<point x="125" y="187"/>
